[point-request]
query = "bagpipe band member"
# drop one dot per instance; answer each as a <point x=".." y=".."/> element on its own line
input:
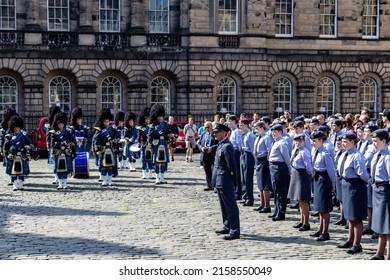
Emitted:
<point x="54" y="110"/>
<point x="121" y="131"/>
<point x="17" y="147"/>
<point x="146" y="154"/>
<point x="105" y="146"/>
<point x="131" y="137"/>
<point x="62" y="149"/>
<point x="158" y="134"/>
<point x="4" y="130"/>
<point x="79" y="130"/>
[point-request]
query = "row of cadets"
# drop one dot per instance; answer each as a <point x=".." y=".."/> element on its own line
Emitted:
<point x="146" y="154"/>
<point x="131" y="136"/>
<point x="247" y="161"/>
<point x="121" y="130"/>
<point x="62" y="149"/>
<point x="104" y="145"/>
<point x="4" y="130"/>
<point x="17" y="146"/>
<point x="339" y="190"/>
<point x="158" y="134"/>
<point x="50" y="131"/>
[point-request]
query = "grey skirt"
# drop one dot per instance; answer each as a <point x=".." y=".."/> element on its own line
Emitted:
<point x="300" y="185"/>
<point x="354" y="199"/>
<point x="381" y="210"/>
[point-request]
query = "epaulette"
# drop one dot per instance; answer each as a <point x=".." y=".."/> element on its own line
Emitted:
<point x="47" y="125"/>
<point x="71" y="127"/>
<point x="68" y="129"/>
<point x="8" y="135"/>
<point x="24" y="132"/>
<point x="151" y="125"/>
<point x="86" y="127"/>
<point x="97" y="128"/>
<point x="52" y="131"/>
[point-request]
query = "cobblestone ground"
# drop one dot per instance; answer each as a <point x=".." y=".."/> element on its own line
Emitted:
<point x="136" y="219"/>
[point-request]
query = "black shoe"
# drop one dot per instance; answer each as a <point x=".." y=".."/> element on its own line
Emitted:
<point x="374" y="236"/>
<point x="376" y="258"/>
<point x="346" y="244"/>
<point x="346" y="226"/>
<point x="315" y="214"/>
<point x="247" y="203"/>
<point x="222" y="231"/>
<point x="316" y="234"/>
<point x="323" y="237"/>
<point x="367" y="231"/>
<point x="295" y="206"/>
<point x="297" y="225"/>
<point x="340" y="223"/>
<point x="265" y="210"/>
<point x="242" y="201"/>
<point x="258" y="209"/>
<point x="272" y="216"/>
<point x="278" y="218"/>
<point x="208" y="189"/>
<point x="304" y="227"/>
<point x="231" y="237"/>
<point x="10" y="184"/>
<point x="238" y="197"/>
<point x="355" y="249"/>
<point x="172" y="159"/>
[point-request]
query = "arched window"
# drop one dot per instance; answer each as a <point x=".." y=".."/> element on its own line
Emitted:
<point x="282" y="95"/>
<point x="8" y="93"/>
<point x="368" y="92"/>
<point x="226" y="95"/>
<point x="326" y="96"/>
<point x="60" y="93"/>
<point x="160" y="92"/>
<point x="111" y="93"/>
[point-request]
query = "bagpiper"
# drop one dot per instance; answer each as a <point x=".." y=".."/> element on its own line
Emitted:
<point x="54" y="110"/>
<point x="62" y="149"/>
<point x="104" y="143"/>
<point x="121" y="131"/>
<point x="8" y="114"/>
<point x="131" y="136"/>
<point x="158" y="134"/>
<point x="17" y="146"/>
<point x="146" y="154"/>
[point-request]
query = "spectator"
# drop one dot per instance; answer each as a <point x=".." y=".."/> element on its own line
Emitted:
<point x="189" y="132"/>
<point x="172" y="141"/>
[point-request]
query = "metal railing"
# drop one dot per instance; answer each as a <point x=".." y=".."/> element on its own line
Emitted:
<point x="60" y="40"/>
<point x="112" y="40"/>
<point x="11" y="38"/>
<point x="229" y="41"/>
<point x="163" y="40"/>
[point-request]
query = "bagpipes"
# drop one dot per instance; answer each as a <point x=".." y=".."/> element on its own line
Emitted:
<point x="108" y="156"/>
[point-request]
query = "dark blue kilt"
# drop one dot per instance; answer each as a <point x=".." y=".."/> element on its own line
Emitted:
<point x="322" y="192"/>
<point x="9" y="164"/>
<point x="262" y="174"/>
<point x="381" y="210"/>
<point x="354" y="199"/>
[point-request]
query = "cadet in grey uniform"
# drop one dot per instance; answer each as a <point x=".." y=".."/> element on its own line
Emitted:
<point x="223" y="179"/>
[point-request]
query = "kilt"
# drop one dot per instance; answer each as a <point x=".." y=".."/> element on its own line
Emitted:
<point x="381" y="210"/>
<point x="262" y="174"/>
<point x="322" y="192"/>
<point x="10" y="163"/>
<point x="354" y="199"/>
<point x="300" y="185"/>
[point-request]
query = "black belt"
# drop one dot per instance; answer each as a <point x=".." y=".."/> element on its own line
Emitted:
<point x="277" y="162"/>
<point x="320" y="171"/>
<point x="381" y="184"/>
<point x="298" y="168"/>
<point x="259" y="158"/>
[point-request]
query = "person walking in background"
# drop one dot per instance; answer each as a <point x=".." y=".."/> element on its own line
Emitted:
<point x="172" y="141"/>
<point x="189" y="132"/>
<point x="207" y="146"/>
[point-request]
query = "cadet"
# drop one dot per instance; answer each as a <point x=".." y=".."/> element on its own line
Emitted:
<point x="235" y="140"/>
<point x="339" y="188"/>
<point x="223" y="179"/>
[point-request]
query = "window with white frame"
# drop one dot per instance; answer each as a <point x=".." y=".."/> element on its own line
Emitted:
<point x="58" y="15"/>
<point x="326" y="91"/>
<point x="159" y="16"/>
<point x="109" y="15"/>
<point x="328" y="18"/>
<point x="284" y="18"/>
<point x="60" y="93"/>
<point x="8" y="15"/>
<point x="111" y="93"/>
<point x="227" y="16"/>
<point x="282" y="92"/>
<point x="8" y="93"/>
<point x="160" y="92"/>
<point x="370" y="20"/>
<point x="368" y="92"/>
<point x="226" y="95"/>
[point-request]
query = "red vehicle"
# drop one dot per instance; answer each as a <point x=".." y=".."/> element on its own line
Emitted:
<point x="180" y="142"/>
<point x="39" y="137"/>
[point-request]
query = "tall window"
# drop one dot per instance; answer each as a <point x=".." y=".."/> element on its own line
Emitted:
<point x="111" y="93"/>
<point x="370" y="19"/>
<point x="7" y="15"/>
<point x="160" y="92"/>
<point x="60" y="93"/>
<point x="8" y="93"/>
<point x="159" y="16"/>
<point x="226" y="95"/>
<point x="326" y="96"/>
<point x="109" y="15"/>
<point x="284" y="18"/>
<point x="328" y="18"/>
<point x="282" y="95"/>
<point x="368" y="92"/>
<point x="227" y="16"/>
<point x="58" y="15"/>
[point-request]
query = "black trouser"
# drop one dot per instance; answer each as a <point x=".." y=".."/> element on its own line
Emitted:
<point x="247" y="168"/>
<point x="279" y="179"/>
<point x="238" y="187"/>
<point x="208" y="168"/>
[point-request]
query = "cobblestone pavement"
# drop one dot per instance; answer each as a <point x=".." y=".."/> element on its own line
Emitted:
<point x="136" y="219"/>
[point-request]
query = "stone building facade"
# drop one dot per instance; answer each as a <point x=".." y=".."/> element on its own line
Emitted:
<point x="197" y="57"/>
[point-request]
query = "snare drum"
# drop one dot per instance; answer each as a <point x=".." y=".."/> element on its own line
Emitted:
<point x="135" y="150"/>
<point x="80" y="164"/>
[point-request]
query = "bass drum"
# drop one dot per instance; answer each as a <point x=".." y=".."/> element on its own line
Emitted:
<point x="80" y="165"/>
